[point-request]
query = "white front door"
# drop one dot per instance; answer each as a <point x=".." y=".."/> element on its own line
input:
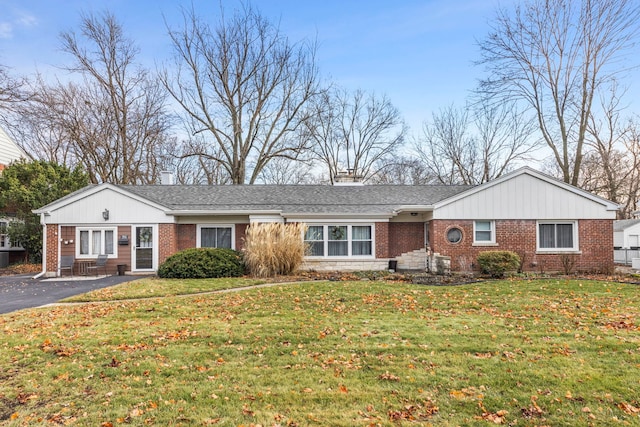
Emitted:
<point x="143" y="254"/>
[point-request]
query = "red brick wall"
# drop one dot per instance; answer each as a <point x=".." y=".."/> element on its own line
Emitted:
<point x="241" y="233"/>
<point x="52" y="248"/>
<point x="405" y="237"/>
<point x="382" y="239"/>
<point x="167" y="241"/>
<point x="595" y="244"/>
<point x="186" y="236"/>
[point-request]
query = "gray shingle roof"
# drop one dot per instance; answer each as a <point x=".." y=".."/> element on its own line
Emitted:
<point x="292" y="199"/>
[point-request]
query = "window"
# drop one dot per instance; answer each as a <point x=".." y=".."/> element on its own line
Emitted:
<point x="454" y="235"/>
<point x="4" y="239"/>
<point x="338" y="244"/>
<point x="314" y="238"/>
<point x="339" y="240"/>
<point x="483" y="232"/>
<point x="215" y="237"/>
<point x="93" y="242"/>
<point x="361" y="240"/>
<point x="557" y="236"/>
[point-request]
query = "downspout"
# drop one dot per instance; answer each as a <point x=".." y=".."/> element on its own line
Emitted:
<point x="44" y="248"/>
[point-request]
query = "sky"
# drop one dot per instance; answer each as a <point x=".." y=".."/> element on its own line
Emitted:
<point x="419" y="53"/>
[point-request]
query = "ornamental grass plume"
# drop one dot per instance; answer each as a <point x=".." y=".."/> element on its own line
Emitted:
<point x="272" y="249"/>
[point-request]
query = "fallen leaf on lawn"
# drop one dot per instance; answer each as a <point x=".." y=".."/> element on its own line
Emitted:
<point x="494" y="417"/>
<point x="628" y="408"/>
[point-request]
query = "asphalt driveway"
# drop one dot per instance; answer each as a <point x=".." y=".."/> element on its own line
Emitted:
<point x="22" y="291"/>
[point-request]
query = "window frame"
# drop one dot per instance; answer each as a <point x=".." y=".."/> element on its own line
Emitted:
<point x="103" y="241"/>
<point x="199" y="228"/>
<point x="574" y="228"/>
<point x="5" y="243"/>
<point x="326" y="234"/>
<point x="492" y="232"/>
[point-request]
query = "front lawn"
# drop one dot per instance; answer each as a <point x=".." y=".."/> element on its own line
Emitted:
<point x="150" y="287"/>
<point x="367" y="353"/>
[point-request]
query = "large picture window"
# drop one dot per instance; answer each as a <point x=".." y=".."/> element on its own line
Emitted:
<point x="339" y="240"/>
<point x="557" y="236"/>
<point x="94" y="242"/>
<point x="213" y="236"/>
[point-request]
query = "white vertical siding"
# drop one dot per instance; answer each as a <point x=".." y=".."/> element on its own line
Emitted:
<point x="524" y="197"/>
<point x="9" y="151"/>
<point x="122" y="210"/>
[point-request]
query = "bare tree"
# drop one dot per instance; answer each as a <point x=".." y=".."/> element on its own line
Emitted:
<point x="473" y="146"/>
<point x="10" y="88"/>
<point x="403" y="170"/>
<point x="354" y="131"/>
<point x="611" y="168"/>
<point x="110" y="118"/>
<point x="245" y="87"/>
<point x="555" y="56"/>
<point x="288" y="172"/>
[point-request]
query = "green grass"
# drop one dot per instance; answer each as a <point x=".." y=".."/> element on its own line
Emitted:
<point x="526" y="353"/>
<point x="155" y="287"/>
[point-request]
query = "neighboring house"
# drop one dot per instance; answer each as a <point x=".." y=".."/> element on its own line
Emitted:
<point x="626" y="240"/>
<point x="350" y="227"/>
<point x="9" y="152"/>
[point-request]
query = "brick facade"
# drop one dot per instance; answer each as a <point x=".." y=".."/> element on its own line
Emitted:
<point x="595" y="239"/>
<point x="391" y="241"/>
<point x="167" y="241"/>
<point x="405" y="237"/>
<point x="186" y="236"/>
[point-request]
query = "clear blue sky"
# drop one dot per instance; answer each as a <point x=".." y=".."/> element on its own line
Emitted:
<point x="419" y="53"/>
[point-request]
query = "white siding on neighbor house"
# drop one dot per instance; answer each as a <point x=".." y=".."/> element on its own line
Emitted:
<point x="629" y="237"/>
<point x="524" y="197"/>
<point x="618" y="239"/>
<point x="122" y="210"/>
<point x="9" y="151"/>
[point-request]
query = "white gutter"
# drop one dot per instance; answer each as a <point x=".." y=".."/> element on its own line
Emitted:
<point x="44" y="248"/>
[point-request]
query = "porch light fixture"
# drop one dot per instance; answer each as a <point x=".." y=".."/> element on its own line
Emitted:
<point x="105" y="214"/>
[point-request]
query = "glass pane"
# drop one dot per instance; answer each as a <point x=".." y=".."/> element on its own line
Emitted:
<point x="144" y="237"/>
<point x="338" y="232"/>
<point x="314" y="232"/>
<point x="208" y="237"/>
<point x="224" y="238"/>
<point x="96" y="247"/>
<point x="108" y="242"/>
<point x="361" y="248"/>
<point x="547" y="235"/>
<point x="483" y="225"/>
<point x="454" y="235"/>
<point x="84" y="243"/>
<point x="361" y="232"/>
<point x="564" y="235"/>
<point x="483" y="236"/>
<point x="338" y="248"/>
<point x="316" y="249"/>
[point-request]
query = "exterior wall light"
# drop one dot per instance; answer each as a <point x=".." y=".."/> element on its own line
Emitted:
<point x="105" y="214"/>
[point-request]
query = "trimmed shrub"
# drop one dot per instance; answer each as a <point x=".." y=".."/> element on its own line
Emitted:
<point x="202" y="263"/>
<point x="496" y="263"/>
<point x="272" y="248"/>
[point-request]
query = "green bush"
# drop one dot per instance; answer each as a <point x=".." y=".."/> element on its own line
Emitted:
<point x="202" y="263"/>
<point x="496" y="263"/>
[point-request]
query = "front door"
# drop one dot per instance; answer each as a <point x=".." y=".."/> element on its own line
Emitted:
<point x="143" y="251"/>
